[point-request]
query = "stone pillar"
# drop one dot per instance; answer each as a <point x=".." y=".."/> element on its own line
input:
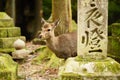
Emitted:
<point x="92" y="28"/>
<point x="92" y="62"/>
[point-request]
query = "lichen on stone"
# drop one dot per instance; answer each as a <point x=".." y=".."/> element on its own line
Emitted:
<point x="8" y="68"/>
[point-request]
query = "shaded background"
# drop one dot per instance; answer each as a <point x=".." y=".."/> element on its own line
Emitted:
<point x="28" y="13"/>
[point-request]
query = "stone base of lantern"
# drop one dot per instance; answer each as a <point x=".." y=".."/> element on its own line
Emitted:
<point x="82" y="69"/>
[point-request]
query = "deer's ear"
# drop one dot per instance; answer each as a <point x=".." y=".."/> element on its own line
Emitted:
<point x="43" y="20"/>
<point x="56" y="22"/>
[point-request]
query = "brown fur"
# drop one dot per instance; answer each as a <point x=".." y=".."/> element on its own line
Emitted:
<point x="64" y="45"/>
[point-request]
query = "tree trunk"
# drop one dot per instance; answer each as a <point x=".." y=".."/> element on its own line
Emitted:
<point x="61" y="9"/>
<point x="38" y="15"/>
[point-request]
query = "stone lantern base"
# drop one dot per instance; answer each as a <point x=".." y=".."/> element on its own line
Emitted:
<point x="82" y="69"/>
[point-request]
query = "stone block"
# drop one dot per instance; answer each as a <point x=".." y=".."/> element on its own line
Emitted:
<point x="7" y="50"/>
<point x="3" y="15"/>
<point x="115" y="29"/>
<point x="8" y="42"/>
<point x="6" y="23"/>
<point x="5" y="20"/>
<point x="114" y="47"/>
<point x="10" y="32"/>
<point x="8" y="68"/>
<point x="3" y="32"/>
<point x="14" y="32"/>
<point x="83" y="69"/>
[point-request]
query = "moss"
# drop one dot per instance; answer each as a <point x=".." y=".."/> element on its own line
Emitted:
<point x="8" y="42"/>
<point x="44" y="54"/>
<point x="7" y="50"/>
<point x="10" y="32"/>
<point x="3" y="33"/>
<point x="94" y="70"/>
<point x="47" y="57"/>
<point x="13" y="32"/>
<point x="115" y="29"/>
<point x="113" y="47"/>
<point x="38" y="41"/>
<point x="5" y="20"/>
<point x="73" y="27"/>
<point x="8" y="68"/>
<point x="3" y="15"/>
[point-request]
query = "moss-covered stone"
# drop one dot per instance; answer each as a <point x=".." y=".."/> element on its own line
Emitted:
<point x="6" y="23"/>
<point x="3" y="32"/>
<point x="107" y="69"/>
<point x="8" y="68"/>
<point x="3" y="15"/>
<point x="7" y="50"/>
<point x="14" y="32"/>
<point x="48" y="57"/>
<point x="5" y="20"/>
<point x="115" y="29"/>
<point x="10" y="32"/>
<point x="8" y="42"/>
<point x="114" y="47"/>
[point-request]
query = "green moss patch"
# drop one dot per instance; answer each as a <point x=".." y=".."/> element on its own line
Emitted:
<point x="115" y="29"/>
<point x="7" y="50"/>
<point x="5" y="20"/>
<point x="14" y="32"/>
<point x="8" y="68"/>
<point x="8" y="42"/>
<point x="114" y="47"/>
<point x="3" y="32"/>
<point x="10" y="32"/>
<point x="90" y="70"/>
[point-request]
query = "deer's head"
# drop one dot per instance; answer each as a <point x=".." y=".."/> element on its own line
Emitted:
<point x="47" y="29"/>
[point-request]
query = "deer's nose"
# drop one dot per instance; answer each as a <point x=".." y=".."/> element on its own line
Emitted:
<point x="40" y="36"/>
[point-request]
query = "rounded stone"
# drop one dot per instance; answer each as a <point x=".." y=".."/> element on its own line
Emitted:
<point x="19" y="44"/>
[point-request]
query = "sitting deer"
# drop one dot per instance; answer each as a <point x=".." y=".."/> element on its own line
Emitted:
<point x="64" y="45"/>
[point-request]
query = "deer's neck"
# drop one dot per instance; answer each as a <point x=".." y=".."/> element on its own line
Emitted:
<point x="52" y="43"/>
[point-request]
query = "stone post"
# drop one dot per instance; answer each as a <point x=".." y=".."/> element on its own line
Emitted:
<point x="92" y="62"/>
<point x="92" y="28"/>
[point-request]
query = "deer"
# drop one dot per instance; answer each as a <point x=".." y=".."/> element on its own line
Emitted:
<point x="63" y="45"/>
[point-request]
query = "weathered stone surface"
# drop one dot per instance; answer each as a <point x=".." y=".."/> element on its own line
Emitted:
<point x="20" y="54"/>
<point x="8" y="42"/>
<point x="14" y="32"/>
<point x="115" y="29"/>
<point x="83" y="69"/>
<point x="3" y="33"/>
<point x="3" y="15"/>
<point x="10" y="32"/>
<point x="6" y="23"/>
<point x="19" y="44"/>
<point x="5" y="20"/>
<point x="8" y="68"/>
<point x="92" y="28"/>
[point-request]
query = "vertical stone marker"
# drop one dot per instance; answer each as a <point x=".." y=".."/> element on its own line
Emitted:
<point x="92" y="62"/>
<point x="92" y="28"/>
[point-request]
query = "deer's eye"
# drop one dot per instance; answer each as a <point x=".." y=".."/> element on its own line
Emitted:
<point x="48" y="30"/>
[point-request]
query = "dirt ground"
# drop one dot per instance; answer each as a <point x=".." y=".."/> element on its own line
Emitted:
<point x="29" y="71"/>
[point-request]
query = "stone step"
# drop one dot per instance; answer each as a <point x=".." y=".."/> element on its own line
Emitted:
<point x="5" y="20"/>
<point x="8" y="42"/>
<point x="6" y="23"/>
<point x="10" y="32"/>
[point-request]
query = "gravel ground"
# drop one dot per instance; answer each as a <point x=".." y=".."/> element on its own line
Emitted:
<point x="29" y="71"/>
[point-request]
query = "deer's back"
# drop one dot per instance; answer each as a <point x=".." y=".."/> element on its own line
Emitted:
<point x="66" y="45"/>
